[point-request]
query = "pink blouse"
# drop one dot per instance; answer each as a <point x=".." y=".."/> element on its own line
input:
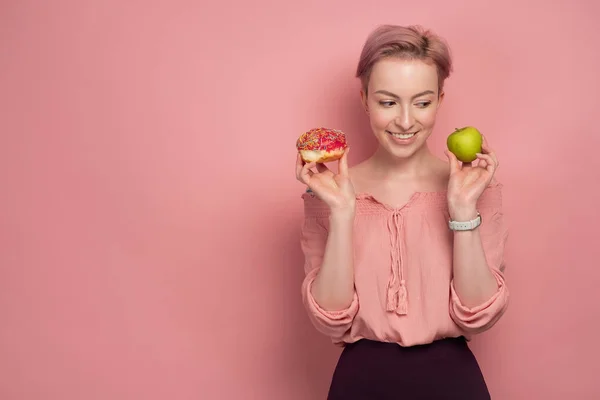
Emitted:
<point x="404" y="291"/>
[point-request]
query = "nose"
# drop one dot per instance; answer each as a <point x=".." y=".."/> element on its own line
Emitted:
<point x="405" y="119"/>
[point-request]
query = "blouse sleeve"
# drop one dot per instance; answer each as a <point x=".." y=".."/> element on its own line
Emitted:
<point x="494" y="234"/>
<point x="314" y="237"/>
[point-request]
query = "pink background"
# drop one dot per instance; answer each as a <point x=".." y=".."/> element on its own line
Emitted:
<point x="149" y="231"/>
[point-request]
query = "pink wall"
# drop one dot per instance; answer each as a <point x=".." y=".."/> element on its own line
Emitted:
<point x="131" y="131"/>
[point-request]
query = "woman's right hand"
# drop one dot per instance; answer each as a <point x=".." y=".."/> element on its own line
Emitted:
<point x="335" y="190"/>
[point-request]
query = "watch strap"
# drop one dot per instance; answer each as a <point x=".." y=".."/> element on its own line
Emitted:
<point x="466" y="225"/>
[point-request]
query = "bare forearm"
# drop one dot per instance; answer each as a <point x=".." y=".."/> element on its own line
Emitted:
<point x="333" y="287"/>
<point x="473" y="281"/>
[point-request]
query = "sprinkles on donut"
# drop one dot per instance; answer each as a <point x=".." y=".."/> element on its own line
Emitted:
<point x="321" y="145"/>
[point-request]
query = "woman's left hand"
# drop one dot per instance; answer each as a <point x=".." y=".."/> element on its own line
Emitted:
<point x="467" y="182"/>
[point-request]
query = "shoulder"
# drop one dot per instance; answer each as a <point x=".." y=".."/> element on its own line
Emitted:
<point x="359" y="174"/>
<point x="440" y="172"/>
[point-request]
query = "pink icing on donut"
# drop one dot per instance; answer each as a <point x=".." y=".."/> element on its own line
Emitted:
<point x="322" y="139"/>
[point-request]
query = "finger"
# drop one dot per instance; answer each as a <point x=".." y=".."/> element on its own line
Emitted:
<point x="480" y="163"/>
<point x="307" y="167"/>
<point x="485" y="146"/>
<point x="486" y="149"/>
<point x="299" y="165"/>
<point x="306" y="173"/>
<point x="321" y="167"/>
<point x="343" y="163"/>
<point x="485" y="157"/>
<point x="484" y="179"/>
<point x="492" y="154"/>
<point x="453" y="161"/>
<point x="485" y="143"/>
<point x="489" y="161"/>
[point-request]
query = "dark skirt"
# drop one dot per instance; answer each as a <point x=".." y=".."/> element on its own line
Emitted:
<point x="444" y="369"/>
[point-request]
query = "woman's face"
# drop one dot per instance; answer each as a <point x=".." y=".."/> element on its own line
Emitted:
<point x="402" y="103"/>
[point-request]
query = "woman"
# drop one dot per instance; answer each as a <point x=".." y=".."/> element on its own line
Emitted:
<point x="388" y="274"/>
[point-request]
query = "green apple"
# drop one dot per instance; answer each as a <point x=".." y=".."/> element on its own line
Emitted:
<point x="465" y="143"/>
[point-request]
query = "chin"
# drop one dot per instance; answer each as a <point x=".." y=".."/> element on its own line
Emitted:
<point x="402" y="153"/>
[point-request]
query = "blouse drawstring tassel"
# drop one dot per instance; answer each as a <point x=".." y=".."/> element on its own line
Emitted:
<point x="397" y="296"/>
<point x="402" y="307"/>
<point x="392" y="299"/>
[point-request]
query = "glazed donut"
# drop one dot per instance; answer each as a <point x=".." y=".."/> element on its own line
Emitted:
<point x="321" y="145"/>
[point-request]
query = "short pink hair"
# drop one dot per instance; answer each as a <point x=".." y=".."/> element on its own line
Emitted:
<point x="410" y="42"/>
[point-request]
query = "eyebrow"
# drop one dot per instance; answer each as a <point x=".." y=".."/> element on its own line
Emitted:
<point x="398" y="97"/>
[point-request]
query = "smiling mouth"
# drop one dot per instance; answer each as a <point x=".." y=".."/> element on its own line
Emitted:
<point x="407" y="135"/>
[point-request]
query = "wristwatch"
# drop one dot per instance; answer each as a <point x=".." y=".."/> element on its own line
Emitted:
<point x="465" y="226"/>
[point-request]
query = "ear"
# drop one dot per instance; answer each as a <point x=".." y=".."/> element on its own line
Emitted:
<point x="363" y="99"/>
<point x="440" y="99"/>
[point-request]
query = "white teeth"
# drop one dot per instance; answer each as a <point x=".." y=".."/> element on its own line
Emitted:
<point x="403" y="135"/>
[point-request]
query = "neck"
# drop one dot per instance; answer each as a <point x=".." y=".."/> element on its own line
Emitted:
<point x="387" y="165"/>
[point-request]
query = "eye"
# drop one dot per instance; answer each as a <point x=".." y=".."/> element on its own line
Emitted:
<point x="423" y="104"/>
<point x="387" y="103"/>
